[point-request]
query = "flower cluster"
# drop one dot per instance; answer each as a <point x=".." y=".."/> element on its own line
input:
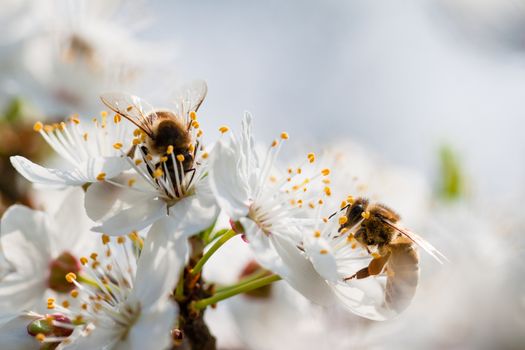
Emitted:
<point x="119" y="265"/>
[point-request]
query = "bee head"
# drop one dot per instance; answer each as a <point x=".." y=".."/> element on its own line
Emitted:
<point x="354" y="212"/>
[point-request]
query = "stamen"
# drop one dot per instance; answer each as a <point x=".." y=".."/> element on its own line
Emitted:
<point x="317" y="233"/>
<point x="70" y="277"/>
<point x="105" y="239"/>
<point x="311" y="157"/>
<point x="83" y="260"/>
<point x="38" y="126"/>
<point x="343" y="220"/>
<point x="285" y="136"/>
<point x="131" y="182"/>
<point x="193" y="115"/>
<point x="323" y="251"/>
<point x="169" y="149"/>
<point x="327" y="191"/>
<point x="365" y="214"/>
<point x="180" y="157"/>
<point x="325" y="172"/>
<point x="223" y="129"/>
<point x="117" y="145"/>
<point x="275" y="143"/>
<point x="101" y="176"/>
<point x="158" y="173"/>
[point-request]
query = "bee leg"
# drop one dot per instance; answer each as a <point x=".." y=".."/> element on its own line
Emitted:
<point x="375" y="267"/>
<point x="193" y="170"/>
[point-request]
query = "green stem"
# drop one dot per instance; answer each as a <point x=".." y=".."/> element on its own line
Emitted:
<point x="249" y="278"/>
<point x="179" y="290"/>
<point x="200" y="264"/>
<point x="258" y="283"/>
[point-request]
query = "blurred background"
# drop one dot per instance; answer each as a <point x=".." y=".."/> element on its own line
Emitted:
<point x="429" y="92"/>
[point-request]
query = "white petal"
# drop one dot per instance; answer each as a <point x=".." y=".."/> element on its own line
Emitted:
<point x="100" y="338"/>
<point x="72" y="225"/>
<point x="320" y="253"/>
<point x="110" y="166"/>
<point x="104" y="200"/>
<point x="301" y="274"/>
<point x="364" y="298"/>
<point x="191" y="215"/>
<point x="160" y="263"/>
<point x="283" y="258"/>
<point x="135" y="218"/>
<point x="14" y="336"/>
<point x="35" y="228"/>
<point x="152" y="330"/>
<point x="39" y="175"/>
<point x="230" y="189"/>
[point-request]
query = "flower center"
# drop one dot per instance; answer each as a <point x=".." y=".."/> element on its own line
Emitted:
<point x="59" y="268"/>
<point x="260" y="218"/>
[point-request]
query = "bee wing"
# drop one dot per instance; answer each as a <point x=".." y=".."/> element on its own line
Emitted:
<point x="420" y="241"/>
<point x="133" y="108"/>
<point x="189" y="97"/>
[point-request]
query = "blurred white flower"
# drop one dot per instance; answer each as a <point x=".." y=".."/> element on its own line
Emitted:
<point x="241" y="185"/>
<point x="92" y="154"/>
<point x="39" y="250"/>
<point x="62" y="53"/>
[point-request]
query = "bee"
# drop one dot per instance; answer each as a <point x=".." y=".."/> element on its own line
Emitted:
<point x="375" y="226"/>
<point x="167" y="131"/>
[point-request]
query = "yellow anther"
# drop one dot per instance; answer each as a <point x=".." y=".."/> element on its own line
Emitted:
<point x="311" y="157"/>
<point x="48" y="128"/>
<point x="350" y="200"/>
<point x="317" y="233"/>
<point x="84" y="306"/>
<point x="285" y="136"/>
<point x="320" y="201"/>
<point x="326" y="181"/>
<point x="376" y="255"/>
<point x="169" y="150"/>
<point x="85" y="136"/>
<point x="365" y="214"/>
<point x="62" y="125"/>
<point x="101" y="176"/>
<point x="65" y="304"/>
<point x="199" y="133"/>
<point x="70" y="277"/>
<point x="325" y="220"/>
<point x="74" y="293"/>
<point x="121" y="239"/>
<point x="131" y="182"/>
<point x="327" y="191"/>
<point x="180" y="157"/>
<point x="149" y="157"/>
<point x="75" y="120"/>
<point x="137" y="132"/>
<point x="205" y="155"/>
<point x="354" y="245"/>
<point x="343" y="204"/>
<point x="300" y="201"/>
<point x="195" y="124"/>
<point x="83" y="260"/>
<point x="350" y="236"/>
<point x="275" y="143"/>
<point x="191" y="148"/>
<point x="223" y="129"/>
<point x="323" y="251"/>
<point x="105" y="239"/>
<point x="138" y="161"/>
<point x="103" y="114"/>
<point x="95" y="120"/>
<point x="273" y="179"/>
<point x="40" y="337"/>
<point x="311" y="205"/>
<point x="95" y="265"/>
<point x="343" y="220"/>
<point x="158" y="173"/>
<point x="136" y="142"/>
<point x="163" y="159"/>
<point x="38" y="126"/>
<point x="325" y="172"/>
<point x="117" y="145"/>
<point x="109" y="267"/>
<point x="117" y="118"/>
<point x="292" y="201"/>
<point x="129" y="108"/>
<point x="93" y="256"/>
<point x="50" y="306"/>
<point x="299" y="170"/>
<point x="290" y="170"/>
<point x="51" y="300"/>
<point x="193" y="115"/>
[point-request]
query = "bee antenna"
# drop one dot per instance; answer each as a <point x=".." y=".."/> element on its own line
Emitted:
<point x="340" y="210"/>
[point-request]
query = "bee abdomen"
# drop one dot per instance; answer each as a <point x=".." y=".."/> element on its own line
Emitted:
<point x="403" y="270"/>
